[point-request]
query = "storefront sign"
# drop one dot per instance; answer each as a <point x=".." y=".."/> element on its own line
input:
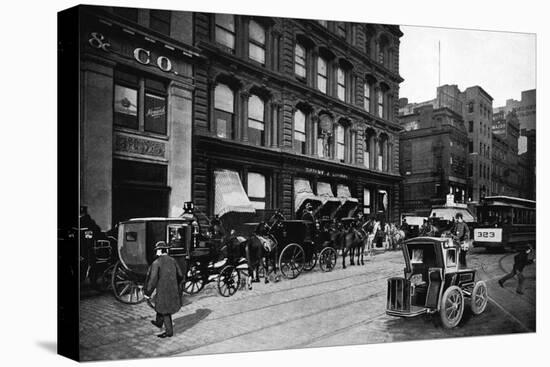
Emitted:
<point x="499" y="128"/>
<point x="135" y="145"/>
<point x="321" y="172"/>
<point x="142" y="55"/>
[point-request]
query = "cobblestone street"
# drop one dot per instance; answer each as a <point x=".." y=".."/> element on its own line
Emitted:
<point x="317" y="309"/>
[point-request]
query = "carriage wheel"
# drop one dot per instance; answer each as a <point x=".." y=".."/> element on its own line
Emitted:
<point x="478" y="300"/>
<point x="126" y="288"/>
<point x="291" y="261"/>
<point x="327" y="259"/>
<point x="310" y="263"/>
<point x="228" y="281"/>
<point x="194" y="281"/>
<point x="106" y="277"/>
<point x="452" y="306"/>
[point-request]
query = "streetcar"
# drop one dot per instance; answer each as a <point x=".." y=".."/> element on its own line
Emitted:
<point x="505" y="221"/>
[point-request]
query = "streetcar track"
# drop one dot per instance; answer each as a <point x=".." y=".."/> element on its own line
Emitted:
<point x="279" y="323"/>
<point x="299" y="299"/>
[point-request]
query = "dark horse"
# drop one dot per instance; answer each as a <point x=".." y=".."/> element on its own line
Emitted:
<point x="349" y="240"/>
<point x="262" y="247"/>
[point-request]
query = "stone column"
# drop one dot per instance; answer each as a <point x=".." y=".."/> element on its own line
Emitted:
<point x="242" y="102"/>
<point x="180" y="107"/>
<point x="315" y="132"/>
<point x="274" y="124"/>
<point x="267" y="124"/>
<point x="96" y="140"/>
<point x="211" y="113"/>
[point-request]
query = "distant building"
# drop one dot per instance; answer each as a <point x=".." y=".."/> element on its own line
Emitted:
<point x="433" y="158"/>
<point x="525" y="110"/>
<point x="505" y="175"/>
<point x="474" y="105"/>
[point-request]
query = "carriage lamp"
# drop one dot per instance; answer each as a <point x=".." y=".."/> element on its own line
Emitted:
<point x="88" y="235"/>
<point x="195" y="225"/>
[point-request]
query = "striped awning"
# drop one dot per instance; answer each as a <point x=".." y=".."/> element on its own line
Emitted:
<point x="303" y="193"/>
<point x="324" y="191"/>
<point x="343" y="193"/>
<point x="229" y="194"/>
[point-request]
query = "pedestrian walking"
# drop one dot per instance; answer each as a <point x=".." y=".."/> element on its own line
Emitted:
<point x="521" y="259"/>
<point x="164" y="275"/>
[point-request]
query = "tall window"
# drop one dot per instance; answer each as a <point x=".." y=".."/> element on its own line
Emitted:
<point x="256" y="42"/>
<point x="341" y="29"/>
<point x="341" y="84"/>
<point x="224" y="110"/>
<point x="225" y="30"/>
<point x="470" y="126"/>
<point x="340" y="143"/>
<point x="256" y="125"/>
<point x="322" y="75"/>
<point x="380" y="103"/>
<point x="366" y="97"/>
<point x="366" y="152"/>
<point x="300" y="60"/>
<point x="126" y="100"/>
<point x="159" y="20"/>
<point x="381" y="143"/>
<point x="366" y="201"/>
<point x="471" y="107"/>
<point x="256" y="189"/>
<point x="151" y="116"/>
<point x="299" y="132"/>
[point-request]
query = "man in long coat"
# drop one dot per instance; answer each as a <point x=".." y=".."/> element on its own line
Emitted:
<point x="164" y="275"/>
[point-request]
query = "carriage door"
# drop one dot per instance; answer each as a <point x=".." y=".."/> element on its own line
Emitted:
<point x="139" y="190"/>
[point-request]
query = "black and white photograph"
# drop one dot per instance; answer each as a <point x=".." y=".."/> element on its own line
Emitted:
<point x="251" y="183"/>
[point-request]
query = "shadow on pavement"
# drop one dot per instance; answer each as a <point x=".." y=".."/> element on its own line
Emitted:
<point x="186" y="322"/>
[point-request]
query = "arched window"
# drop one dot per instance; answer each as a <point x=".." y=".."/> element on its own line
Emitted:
<point x="325" y="136"/>
<point x="225" y="30"/>
<point x="256" y="124"/>
<point x="300" y="60"/>
<point x="224" y="111"/>
<point x="299" y="144"/>
<point x="256" y="42"/>
<point x="322" y="75"/>
<point x="341" y="78"/>
<point x="383" y="44"/>
<point x="340" y="139"/>
<point x="366" y="96"/>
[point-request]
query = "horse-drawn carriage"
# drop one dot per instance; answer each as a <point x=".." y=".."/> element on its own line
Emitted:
<point x="435" y="281"/>
<point x="198" y="257"/>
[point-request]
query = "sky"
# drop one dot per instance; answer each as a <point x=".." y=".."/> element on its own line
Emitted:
<point x="502" y="63"/>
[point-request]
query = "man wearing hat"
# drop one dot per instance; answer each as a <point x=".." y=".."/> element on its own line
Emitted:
<point x="308" y="213"/>
<point x="461" y="233"/>
<point x="164" y="275"/>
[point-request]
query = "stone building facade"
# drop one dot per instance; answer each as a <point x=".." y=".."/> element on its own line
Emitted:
<point x="136" y="88"/>
<point x="172" y="98"/>
<point x="286" y="103"/>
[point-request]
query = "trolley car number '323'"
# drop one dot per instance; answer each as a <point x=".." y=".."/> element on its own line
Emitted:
<point x="488" y="234"/>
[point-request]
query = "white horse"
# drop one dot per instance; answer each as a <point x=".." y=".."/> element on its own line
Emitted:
<point x="395" y="237"/>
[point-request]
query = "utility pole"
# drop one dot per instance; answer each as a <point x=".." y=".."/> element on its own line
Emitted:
<point x="439" y="61"/>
